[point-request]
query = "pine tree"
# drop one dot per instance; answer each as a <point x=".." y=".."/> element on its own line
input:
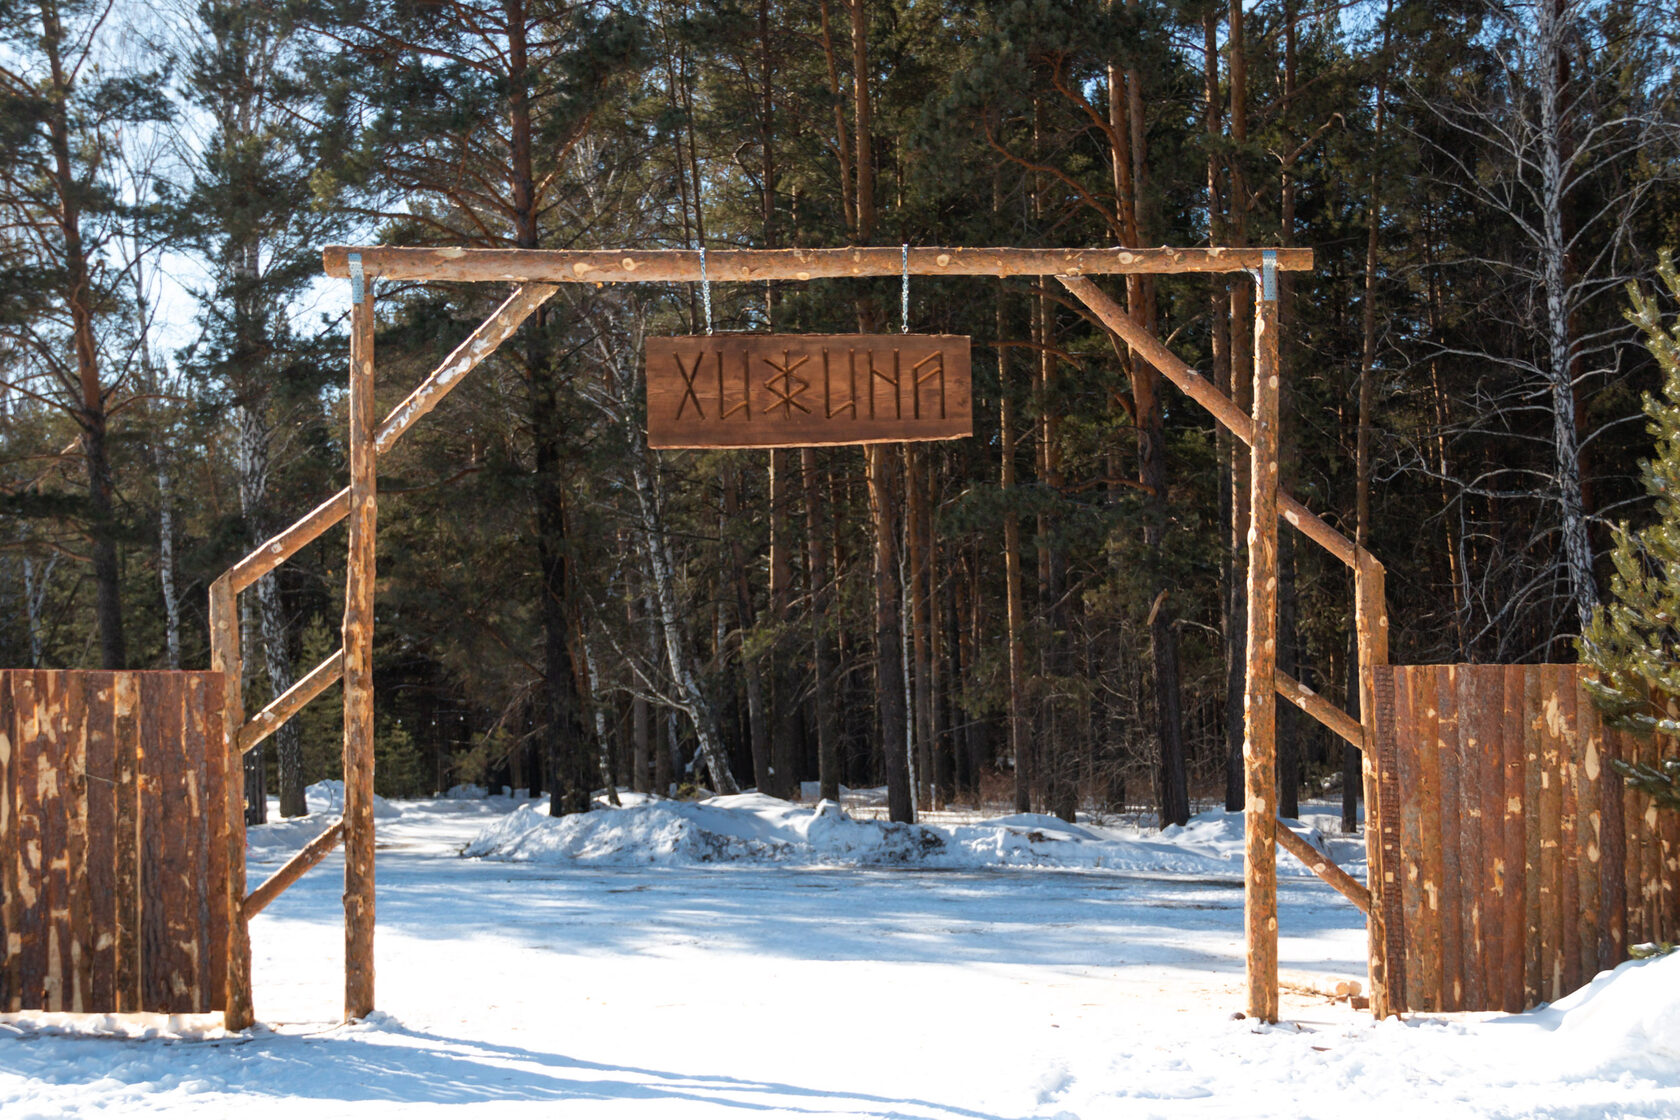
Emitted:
<point x="254" y="209"/>
<point x="1634" y="639"/>
<point x="61" y="116"/>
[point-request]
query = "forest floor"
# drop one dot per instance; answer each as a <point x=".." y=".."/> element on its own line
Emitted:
<point x="578" y="985"/>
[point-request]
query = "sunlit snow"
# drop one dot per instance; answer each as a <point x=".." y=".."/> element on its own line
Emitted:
<point x="744" y="956"/>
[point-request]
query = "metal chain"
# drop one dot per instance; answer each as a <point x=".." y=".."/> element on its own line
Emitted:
<point x="904" y="291"/>
<point x="705" y="289"/>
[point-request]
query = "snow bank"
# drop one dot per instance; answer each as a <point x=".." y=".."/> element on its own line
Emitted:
<point x="328" y="797"/>
<point x="132" y="1026"/>
<point x="1627" y="1016"/>
<point x="755" y="828"/>
<point x="746" y="827"/>
<point x="282" y="837"/>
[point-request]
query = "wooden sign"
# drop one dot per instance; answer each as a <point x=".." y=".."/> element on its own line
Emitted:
<point x="805" y="390"/>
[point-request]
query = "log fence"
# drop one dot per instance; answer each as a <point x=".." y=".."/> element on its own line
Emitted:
<point x="1526" y="865"/>
<point x="1506" y="863"/>
<point x="538" y="274"/>
<point x="114" y="836"/>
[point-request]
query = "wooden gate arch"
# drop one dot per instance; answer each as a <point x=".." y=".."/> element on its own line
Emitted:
<point x="538" y="274"/>
<point x="1425" y="776"/>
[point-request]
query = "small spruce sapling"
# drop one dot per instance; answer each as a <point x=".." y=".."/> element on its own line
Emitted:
<point x="1634" y="638"/>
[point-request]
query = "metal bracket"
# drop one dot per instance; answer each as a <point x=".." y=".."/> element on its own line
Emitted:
<point x="904" y="291"/>
<point x="357" y="285"/>
<point x="1268" y="275"/>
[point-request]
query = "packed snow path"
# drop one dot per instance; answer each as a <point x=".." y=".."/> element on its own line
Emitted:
<point x="655" y="991"/>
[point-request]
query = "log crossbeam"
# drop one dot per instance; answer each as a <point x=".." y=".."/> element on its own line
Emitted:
<point x="1324" y="867"/>
<point x="1206" y="394"/>
<point x="1320" y="709"/>
<point x="294" y="869"/>
<point x="240" y="736"/>
<point x="290" y="702"/>
<point x="540" y="272"/>
<point x="437" y="385"/>
<point x="1371" y="633"/>
<point x="640" y="266"/>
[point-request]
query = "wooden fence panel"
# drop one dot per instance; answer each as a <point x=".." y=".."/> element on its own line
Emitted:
<point x="1514" y="911"/>
<point x="100" y="796"/>
<point x="113" y="824"/>
<point x="1388" y="891"/>
<point x="1454" y="814"/>
<point x="11" y="956"/>
<point x="1475" y="886"/>
<point x="1526" y="866"/>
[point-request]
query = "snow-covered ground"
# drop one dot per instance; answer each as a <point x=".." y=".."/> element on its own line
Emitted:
<point x="747" y="957"/>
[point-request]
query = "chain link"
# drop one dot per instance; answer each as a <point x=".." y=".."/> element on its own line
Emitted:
<point x="904" y="291"/>
<point x="705" y="289"/>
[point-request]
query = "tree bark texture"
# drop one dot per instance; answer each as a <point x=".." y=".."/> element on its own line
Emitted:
<point x="889" y="633"/>
<point x="358" y="674"/>
<point x="825" y="674"/>
<point x="1259" y="695"/>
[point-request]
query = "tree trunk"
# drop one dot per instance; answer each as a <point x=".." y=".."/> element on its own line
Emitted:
<point x="257" y="622"/>
<point x="752" y="668"/>
<point x="918" y="597"/>
<point x="166" y="491"/>
<point x="939" y="742"/>
<point x="889" y="633"/>
<point x="91" y="415"/>
<point x="890" y="681"/>
<point x="1352" y="763"/>
<point x="843" y="140"/>
<point x="786" y="717"/>
<point x="1126" y="127"/>
<point x="1219" y="315"/>
<point x="34" y="598"/>
<point x="1289" y="723"/>
<point x="1576" y="551"/>
<point x="662" y="741"/>
<point x="1020" y="745"/>
<point x="603" y="741"/>
<point x="1240" y="316"/>
<point x="636" y="610"/>
<point x="685" y="675"/>
<point x="825" y="682"/>
<point x="564" y="740"/>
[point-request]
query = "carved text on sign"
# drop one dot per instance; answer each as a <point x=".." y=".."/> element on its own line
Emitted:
<point x="777" y="390"/>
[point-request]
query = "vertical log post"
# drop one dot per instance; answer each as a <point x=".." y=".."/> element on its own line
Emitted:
<point x="358" y="665"/>
<point x="1370" y="624"/>
<point x="237" y="1013"/>
<point x="1259" y="694"/>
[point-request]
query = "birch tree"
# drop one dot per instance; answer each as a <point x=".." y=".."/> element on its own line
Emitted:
<point x="251" y="213"/>
<point x="1561" y="139"/>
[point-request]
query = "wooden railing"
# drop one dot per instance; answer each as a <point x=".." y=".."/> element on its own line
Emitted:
<point x="1370" y="625"/>
<point x="241" y="734"/>
<point x="540" y="270"/>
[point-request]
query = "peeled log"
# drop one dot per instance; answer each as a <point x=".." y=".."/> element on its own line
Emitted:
<point x="602" y="266"/>
<point x="358" y="676"/>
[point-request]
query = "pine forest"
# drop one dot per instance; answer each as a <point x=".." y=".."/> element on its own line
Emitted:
<point x="1048" y="615"/>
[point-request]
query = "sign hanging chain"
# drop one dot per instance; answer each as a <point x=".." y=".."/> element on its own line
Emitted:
<point x="705" y="289"/>
<point x="904" y="291"/>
